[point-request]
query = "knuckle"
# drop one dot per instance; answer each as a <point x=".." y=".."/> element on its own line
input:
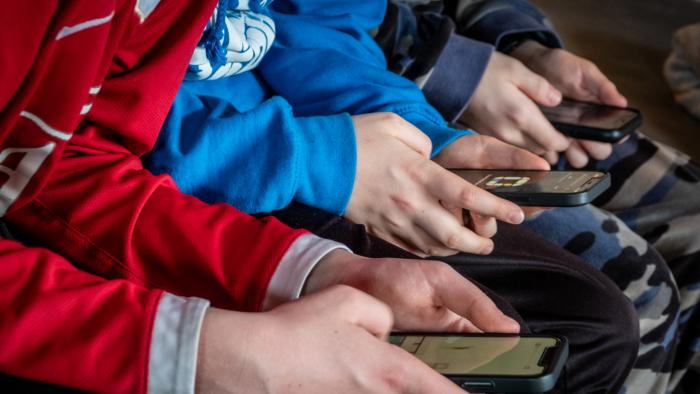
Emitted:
<point x="467" y="197"/>
<point x="430" y="250"/>
<point x="418" y="171"/>
<point x="426" y="144"/>
<point x="393" y="119"/>
<point x="486" y="247"/>
<point x="393" y="379"/>
<point x="518" y="115"/>
<point x="391" y="221"/>
<point x="435" y="269"/>
<point x="484" y="141"/>
<point x="453" y="241"/>
<point x="347" y="294"/>
<point x="589" y="66"/>
<point x="407" y="206"/>
<point x="551" y="145"/>
<point x="502" y="134"/>
<point x="387" y="317"/>
<point x="542" y="86"/>
<point x="441" y="269"/>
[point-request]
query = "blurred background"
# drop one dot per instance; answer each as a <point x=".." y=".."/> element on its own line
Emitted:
<point x="630" y="40"/>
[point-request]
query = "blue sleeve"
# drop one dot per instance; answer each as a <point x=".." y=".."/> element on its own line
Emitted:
<point x="492" y="21"/>
<point x="259" y="160"/>
<point x="456" y="75"/>
<point x="324" y="62"/>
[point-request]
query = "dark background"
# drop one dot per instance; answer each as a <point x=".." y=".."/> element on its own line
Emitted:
<point x="630" y="40"/>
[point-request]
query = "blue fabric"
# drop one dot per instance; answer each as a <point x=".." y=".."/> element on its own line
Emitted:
<point x="494" y="20"/>
<point x="341" y="68"/>
<point x="457" y="71"/>
<point x="456" y="75"/>
<point x="230" y="140"/>
<point x="259" y="159"/>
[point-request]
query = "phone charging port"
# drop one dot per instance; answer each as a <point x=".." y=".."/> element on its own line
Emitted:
<point x="477" y="385"/>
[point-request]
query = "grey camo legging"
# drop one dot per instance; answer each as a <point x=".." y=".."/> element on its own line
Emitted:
<point x="644" y="233"/>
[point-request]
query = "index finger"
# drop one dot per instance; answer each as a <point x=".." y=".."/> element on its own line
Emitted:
<point x="455" y="191"/>
<point x="601" y="88"/>
<point x="418" y="377"/>
<point x="464" y="298"/>
<point x="355" y="307"/>
<point x="540" y="129"/>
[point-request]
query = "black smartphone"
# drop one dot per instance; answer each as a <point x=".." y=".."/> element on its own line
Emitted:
<point x="597" y="122"/>
<point x="540" y="188"/>
<point x="490" y="363"/>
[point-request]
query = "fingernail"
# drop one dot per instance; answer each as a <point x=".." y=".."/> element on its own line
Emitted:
<point x="516" y="217"/>
<point x="554" y="96"/>
<point x="488" y="248"/>
<point x="578" y="158"/>
<point x="515" y="326"/>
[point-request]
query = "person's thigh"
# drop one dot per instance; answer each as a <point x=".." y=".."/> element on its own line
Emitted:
<point x="553" y="291"/>
<point x="655" y="192"/>
<point x="607" y="244"/>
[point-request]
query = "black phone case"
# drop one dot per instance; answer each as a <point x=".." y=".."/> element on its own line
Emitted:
<point x="522" y="384"/>
<point x="556" y="199"/>
<point x="512" y="384"/>
<point x="596" y="134"/>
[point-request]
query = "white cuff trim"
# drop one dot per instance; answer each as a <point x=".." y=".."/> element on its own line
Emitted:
<point x="302" y="256"/>
<point x="175" y="340"/>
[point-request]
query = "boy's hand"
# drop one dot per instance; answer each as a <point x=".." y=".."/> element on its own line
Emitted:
<point x="576" y="78"/>
<point x="505" y="106"/>
<point x="479" y="151"/>
<point x="423" y="295"/>
<point x="331" y="341"/>
<point x="407" y="199"/>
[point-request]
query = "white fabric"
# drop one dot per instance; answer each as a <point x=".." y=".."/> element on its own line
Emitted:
<point x="175" y="341"/>
<point x="288" y="280"/>
<point x="245" y="37"/>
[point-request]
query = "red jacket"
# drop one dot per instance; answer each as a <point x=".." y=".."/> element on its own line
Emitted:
<point x="85" y="88"/>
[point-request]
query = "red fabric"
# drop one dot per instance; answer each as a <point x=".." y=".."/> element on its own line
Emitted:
<point x="67" y="327"/>
<point x="91" y="201"/>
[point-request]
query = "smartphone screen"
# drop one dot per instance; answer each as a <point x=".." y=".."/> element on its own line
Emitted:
<point x="589" y="115"/>
<point x="479" y="355"/>
<point x="532" y="182"/>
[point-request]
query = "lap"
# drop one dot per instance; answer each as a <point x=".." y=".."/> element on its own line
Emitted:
<point x="552" y="291"/>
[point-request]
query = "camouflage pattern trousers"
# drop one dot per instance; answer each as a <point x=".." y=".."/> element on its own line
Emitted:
<point x="644" y="233"/>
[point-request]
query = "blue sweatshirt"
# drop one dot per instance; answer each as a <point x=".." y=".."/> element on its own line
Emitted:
<point x="283" y="132"/>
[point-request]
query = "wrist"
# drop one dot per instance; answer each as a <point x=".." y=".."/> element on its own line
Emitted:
<point x="328" y="272"/>
<point x="528" y="50"/>
<point x="221" y="354"/>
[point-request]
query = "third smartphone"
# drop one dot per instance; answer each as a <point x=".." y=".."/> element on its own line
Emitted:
<point x="589" y="121"/>
<point x="490" y="363"/>
<point x="540" y="188"/>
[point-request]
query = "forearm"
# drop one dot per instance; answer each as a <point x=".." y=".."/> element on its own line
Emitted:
<point x="219" y="155"/>
<point x="67" y="327"/>
<point x="104" y="212"/>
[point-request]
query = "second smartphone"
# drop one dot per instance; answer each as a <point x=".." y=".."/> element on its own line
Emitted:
<point x="540" y="188"/>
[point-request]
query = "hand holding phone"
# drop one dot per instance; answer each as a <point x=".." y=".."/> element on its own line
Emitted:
<point x="490" y="362"/>
<point x="589" y="121"/>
